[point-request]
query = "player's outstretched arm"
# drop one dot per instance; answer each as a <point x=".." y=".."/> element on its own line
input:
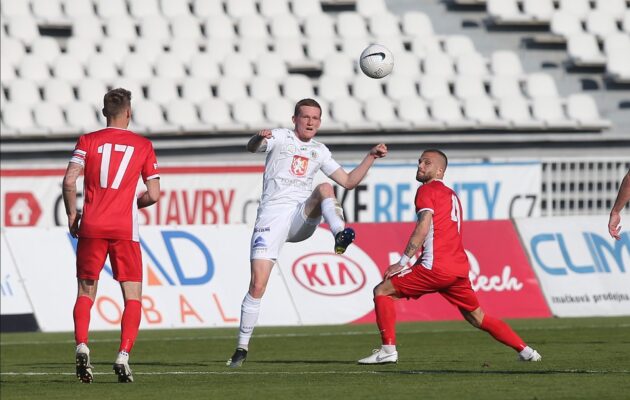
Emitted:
<point x="69" y="193"/>
<point x="415" y="241"/>
<point x="259" y="139"/>
<point x="615" y="213"/>
<point x="352" y="179"/>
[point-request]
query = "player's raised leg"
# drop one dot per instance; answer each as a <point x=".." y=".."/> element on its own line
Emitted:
<point x="502" y="332"/>
<point x="323" y="202"/>
<point x="386" y="321"/>
<point x="250" y="308"/>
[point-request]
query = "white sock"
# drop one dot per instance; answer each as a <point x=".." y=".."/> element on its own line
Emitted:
<point x="389" y="348"/>
<point x="333" y="215"/>
<point x="250" y="308"/>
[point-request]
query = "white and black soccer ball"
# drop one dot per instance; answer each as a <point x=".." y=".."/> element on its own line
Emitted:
<point x="376" y="61"/>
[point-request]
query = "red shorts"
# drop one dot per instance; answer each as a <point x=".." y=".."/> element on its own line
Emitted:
<point x="124" y="255"/>
<point x="420" y="281"/>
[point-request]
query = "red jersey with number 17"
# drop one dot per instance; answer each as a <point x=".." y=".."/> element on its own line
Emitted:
<point x="113" y="160"/>
<point x="442" y="250"/>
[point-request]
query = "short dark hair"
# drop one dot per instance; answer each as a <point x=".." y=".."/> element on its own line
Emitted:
<point x="116" y="101"/>
<point x="441" y="153"/>
<point x="306" y="103"/>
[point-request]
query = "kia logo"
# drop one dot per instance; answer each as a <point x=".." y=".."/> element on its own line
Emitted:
<point x="329" y="274"/>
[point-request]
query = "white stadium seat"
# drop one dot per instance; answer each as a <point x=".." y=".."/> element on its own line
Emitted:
<point x="351" y="24"/>
<point x="482" y="110"/>
<point x="87" y="29"/>
<point x="406" y="64"/>
<point x="219" y="48"/>
<point x="249" y="112"/>
<point x="252" y="25"/>
<point x="417" y="24"/>
<point x="516" y="110"/>
<point x="582" y="108"/>
<point x="617" y="42"/>
<point x="91" y="91"/>
<point x="203" y="65"/>
<point x="348" y="111"/>
<point x="58" y="92"/>
<point x="116" y="49"/>
<point x="459" y="45"/>
<point x="332" y="87"/>
<point x="219" y="26"/>
<point x="448" y="110"/>
<point x="169" y="66"/>
<point x="421" y="46"/>
<point x="614" y="8"/>
<point x="625" y="21"/>
<point x="551" y="111"/>
<point x="279" y="111"/>
<point x="506" y="12"/>
<point x="47" y="10"/>
<point x="540" y="84"/>
<point x="385" y="24"/>
<point x="472" y="65"/>
<point x="271" y="8"/>
<point x="216" y="113"/>
<point x="253" y="47"/>
<point x="339" y="65"/>
<point x="364" y="88"/>
<point x="502" y="87"/>
<point x="50" y="116"/>
<point x="82" y="116"/>
<point x="352" y="47"/>
<point x="183" y="49"/>
<point x="238" y="66"/>
<point x="136" y="67"/>
<point x="263" y="88"/>
<point x="22" y="27"/>
<point x="466" y="87"/>
<point x="380" y="110"/>
<point x="539" y="10"/>
<point x="174" y="8"/>
<point x="240" y="8"/>
<point x="284" y="26"/>
<point x="144" y="8"/>
<point x="20" y="118"/>
<point x="182" y="113"/>
<point x="111" y="8"/>
<point x="368" y="8"/>
<point x="584" y="50"/>
<point x="80" y="48"/>
<point x="148" y="115"/>
<point x="578" y="8"/>
<point x="15" y="8"/>
<point x="320" y="26"/>
<point x="319" y="50"/>
<point x="231" y="89"/>
<point x="438" y="64"/>
<point x="505" y="62"/>
<point x="433" y="87"/>
<point x="206" y="8"/>
<point x="23" y="91"/>
<point x="186" y="27"/>
<point x="297" y="86"/>
<point x="564" y="23"/>
<point x="399" y="87"/>
<point x="7" y="71"/>
<point x="11" y="51"/>
<point x="196" y="89"/>
<point x="601" y="23"/>
<point x="306" y="8"/>
<point x="162" y="91"/>
<point x="76" y="9"/>
<point x="155" y="28"/>
<point x="414" y="110"/>
<point x="268" y="65"/>
<point x="122" y="28"/>
<point x="618" y="67"/>
<point x="149" y="49"/>
<point x="34" y="68"/>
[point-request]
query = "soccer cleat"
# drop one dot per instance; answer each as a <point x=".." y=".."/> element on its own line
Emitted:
<point x="529" y="354"/>
<point x="84" y="368"/>
<point x="380" y="357"/>
<point x="343" y="240"/>
<point x="237" y="359"/>
<point x="121" y="368"/>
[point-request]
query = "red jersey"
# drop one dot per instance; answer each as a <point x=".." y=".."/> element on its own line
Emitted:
<point x="442" y="249"/>
<point x="113" y="160"/>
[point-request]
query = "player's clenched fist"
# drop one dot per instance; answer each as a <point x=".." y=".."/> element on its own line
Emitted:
<point x="379" y="151"/>
<point x="266" y="133"/>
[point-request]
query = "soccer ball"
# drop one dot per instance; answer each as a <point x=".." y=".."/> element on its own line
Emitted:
<point x="376" y="61"/>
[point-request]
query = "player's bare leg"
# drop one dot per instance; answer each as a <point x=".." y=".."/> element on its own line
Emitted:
<point x="384" y="297"/>
<point x="323" y="202"/>
<point x="130" y="324"/>
<point x="502" y="332"/>
<point x="86" y="293"/>
<point x="250" y="308"/>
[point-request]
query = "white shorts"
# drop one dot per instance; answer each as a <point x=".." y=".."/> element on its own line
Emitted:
<point x="276" y="226"/>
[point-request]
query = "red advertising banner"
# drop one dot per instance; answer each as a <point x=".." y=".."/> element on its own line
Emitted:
<point x="500" y="272"/>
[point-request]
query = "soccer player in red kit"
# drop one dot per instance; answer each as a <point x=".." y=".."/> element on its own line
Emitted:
<point x="442" y="267"/>
<point x="112" y="160"/>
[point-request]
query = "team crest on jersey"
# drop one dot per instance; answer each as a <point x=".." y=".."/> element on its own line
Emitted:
<point x="299" y="165"/>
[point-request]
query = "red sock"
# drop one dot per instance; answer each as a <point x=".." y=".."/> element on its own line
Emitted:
<point x="386" y="319"/>
<point x="130" y="324"/>
<point x="502" y="332"/>
<point x="81" y="316"/>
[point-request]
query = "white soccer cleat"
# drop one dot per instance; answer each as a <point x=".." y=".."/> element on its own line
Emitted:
<point x="529" y="354"/>
<point x="379" y="356"/>
<point x="121" y="368"/>
<point x="82" y="359"/>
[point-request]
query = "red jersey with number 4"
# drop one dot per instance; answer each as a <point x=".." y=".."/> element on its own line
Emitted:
<point x="442" y="250"/>
<point x="113" y="160"/>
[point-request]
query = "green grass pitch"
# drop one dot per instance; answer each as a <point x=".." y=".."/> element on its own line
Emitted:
<point x="583" y="358"/>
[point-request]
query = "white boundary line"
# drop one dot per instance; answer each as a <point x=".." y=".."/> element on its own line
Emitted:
<point x="394" y="371"/>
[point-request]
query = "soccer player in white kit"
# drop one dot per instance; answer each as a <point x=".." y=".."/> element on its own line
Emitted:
<point x="290" y="209"/>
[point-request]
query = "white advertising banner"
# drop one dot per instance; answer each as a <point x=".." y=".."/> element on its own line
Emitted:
<point x="221" y="195"/>
<point x="197" y="277"/>
<point x="14" y="298"/>
<point x="582" y="270"/>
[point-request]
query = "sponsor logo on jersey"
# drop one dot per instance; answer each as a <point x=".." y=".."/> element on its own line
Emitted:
<point x="299" y="165"/>
<point x="260" y="243"/>
<point x="262" y="229"/>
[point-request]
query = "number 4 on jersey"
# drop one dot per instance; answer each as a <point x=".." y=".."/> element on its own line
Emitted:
<point x="455" y="212"/>
<point x="106" y="150"/>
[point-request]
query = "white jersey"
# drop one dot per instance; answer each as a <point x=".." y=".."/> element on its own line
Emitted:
<point x="291" y="166"/>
